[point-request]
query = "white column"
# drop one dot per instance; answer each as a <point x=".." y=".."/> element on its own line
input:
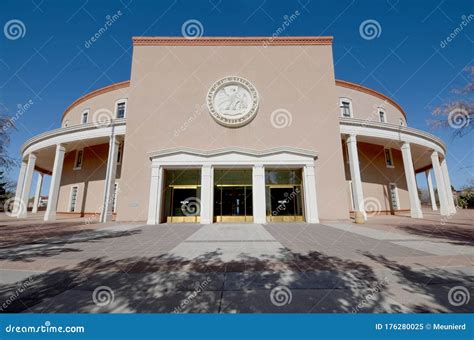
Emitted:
<point x="447" y="183"/>
<point x="19" y="187"/>
<point x="355" y="175"/>
<point x="39" y="183"/>
<point x="207" y="194"/>
<point x="415" y="205"/>
<point x="25" y="192"/>
<point x="156" y="195"/>
<point x="258" y="194"/>
<point x="309" y="185"/>
<point x="431" y="190"/>
<point x="111" y="170"/>
<point x="53" y="195"/>
<point x="443" y="201"/>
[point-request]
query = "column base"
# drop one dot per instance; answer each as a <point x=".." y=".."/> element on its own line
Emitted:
<point x="416" y="214"/>
<point x="107" y="218"/>
<point x="49" y="217"/>
<point x="22" y="214"/>
<point x="313" y="220"/>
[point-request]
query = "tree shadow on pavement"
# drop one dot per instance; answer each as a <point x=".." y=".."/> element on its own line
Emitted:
<point x="24" y="243"/>
<point x="439" y="287"/>
<point x="453" y="234"/>
<point x="285" y="283"/>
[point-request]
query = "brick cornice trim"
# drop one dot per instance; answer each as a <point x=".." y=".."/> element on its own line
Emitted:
<point x="97" y="92"/>
<point x="231" y="41"/>
<point x="367" y="90"/>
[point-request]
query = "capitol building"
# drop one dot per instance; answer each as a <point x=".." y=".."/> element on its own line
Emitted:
<point x="233" y="129"/>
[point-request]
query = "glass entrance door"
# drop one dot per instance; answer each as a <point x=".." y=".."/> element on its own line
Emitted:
<point x="233" y="196"/>
<point x="284" y="195"/>
<point x="184" y="205"/>
<point x="182" y="194"/>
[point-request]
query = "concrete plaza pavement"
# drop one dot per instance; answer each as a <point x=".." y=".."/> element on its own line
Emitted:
<point x="390" y="264"/>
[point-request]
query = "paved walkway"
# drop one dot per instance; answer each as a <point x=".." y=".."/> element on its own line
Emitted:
<point x="332" y="267"/>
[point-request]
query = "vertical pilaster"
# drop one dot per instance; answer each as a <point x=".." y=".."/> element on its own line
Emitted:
<point x="156" y="195"/>
<point x="207" y="194"/>
<point x="309" y="185"/>
<point x="258" y="192"/>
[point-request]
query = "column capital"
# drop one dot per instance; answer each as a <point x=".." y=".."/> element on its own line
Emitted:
<point x="155" y="171"/>
<point x="114" y="139"/>
<point x="352" y="138"/>
<point x="309" y="170"/>
<point x="206" y="170"/>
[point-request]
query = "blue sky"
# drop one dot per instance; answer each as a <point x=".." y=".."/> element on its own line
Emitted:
<point x="51" y="66"/>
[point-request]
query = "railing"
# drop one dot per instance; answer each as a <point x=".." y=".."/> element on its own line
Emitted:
<point x="392" y="127"/>
<point x="71" y="129"/>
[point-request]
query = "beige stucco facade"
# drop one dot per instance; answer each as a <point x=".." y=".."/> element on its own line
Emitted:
<point x="167" y="125"/>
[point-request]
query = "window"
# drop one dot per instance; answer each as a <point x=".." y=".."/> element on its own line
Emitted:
<point x="120" y="109"/>
<point x="382" y="116"/>
<point x="114" y="198"/>
<point x="73" y="200"/>
<point x="388" y="158"/>
<point x="401" y="122"/>
<point x="85" y="115"/>
<point x="346" y="110"/>
<point x="78" y="160"/>
<point x="394" y="201"/>
<point x="346" y="107"/>
<point x="119" y="153"/>
<point x="66" y="123"/>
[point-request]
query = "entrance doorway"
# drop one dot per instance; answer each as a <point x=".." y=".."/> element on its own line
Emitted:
<point x="182" y="194"/>
<point x="233" y="195"/>
<point x="284" y="195"/>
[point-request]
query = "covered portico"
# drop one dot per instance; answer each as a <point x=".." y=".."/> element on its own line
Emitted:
<point x="45" y="154"/>
<point x="420" y="151"/>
